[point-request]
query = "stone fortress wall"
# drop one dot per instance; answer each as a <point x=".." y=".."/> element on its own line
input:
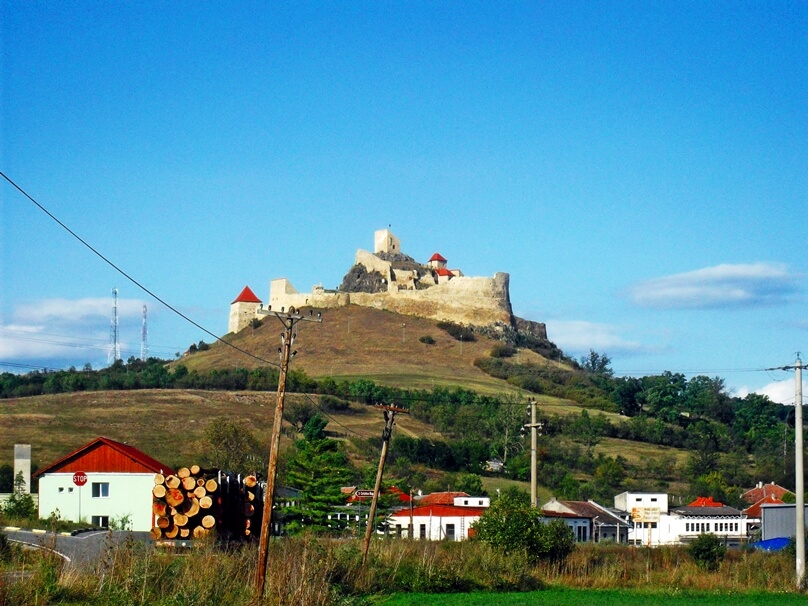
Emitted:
<point x="478" y="301"/>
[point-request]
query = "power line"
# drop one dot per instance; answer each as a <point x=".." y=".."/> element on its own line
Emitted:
<point x="127" y="276"/>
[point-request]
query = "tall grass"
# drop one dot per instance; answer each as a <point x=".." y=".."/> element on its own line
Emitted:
<point x="309" y="571"/>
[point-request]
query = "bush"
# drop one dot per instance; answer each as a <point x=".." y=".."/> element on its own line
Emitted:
<point x="457" y="332"/>
<point x="503" y="350"/>
<point x="707" y="552"/>
<point x="334" y="404"/>
<point x="512" y="525"/>
<point x="428" y="340"/>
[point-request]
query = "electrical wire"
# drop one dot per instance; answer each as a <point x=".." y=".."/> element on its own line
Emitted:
<point x="129" y="277"/>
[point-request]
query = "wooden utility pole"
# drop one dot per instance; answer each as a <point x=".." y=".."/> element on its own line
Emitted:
<point x="389" y="421"/>
<point x="289" y="320"/>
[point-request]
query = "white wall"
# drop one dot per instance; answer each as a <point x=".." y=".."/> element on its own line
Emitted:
<point x="129" y="495"/>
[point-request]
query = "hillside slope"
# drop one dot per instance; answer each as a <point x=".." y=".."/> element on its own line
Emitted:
<point x="356" y="341"/>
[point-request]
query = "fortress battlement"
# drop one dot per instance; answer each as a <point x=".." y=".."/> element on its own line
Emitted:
<point x="387" y="279"/>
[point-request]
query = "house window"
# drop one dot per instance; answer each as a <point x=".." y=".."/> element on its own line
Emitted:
<point x="61" y="489"/>
<point x="69" y="489"/>
<point x="653" y="499"/>
<point x="422" y="531"/>
<point x="100" y="521"/>
<point x="101" y="490"/>
<point x="450" y="532"/>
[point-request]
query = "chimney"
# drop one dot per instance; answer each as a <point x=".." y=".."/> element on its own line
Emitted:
<point x="22" y="463"/>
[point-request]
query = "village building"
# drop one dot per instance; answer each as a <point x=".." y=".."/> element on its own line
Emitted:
<point x="437" y="521"/>
<point x="101" y="482"/>
<point x="588" y="520"/>
<point x="779" y="521"/>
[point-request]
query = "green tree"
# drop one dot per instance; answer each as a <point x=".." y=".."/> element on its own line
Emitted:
<point x="587" y="429"/>
<point x="20" y="504"/>
<point x="232" y="447"/>
<point x="707" y="551"/>
<point x="596" y="363"/>
<point x="319" y="468"/>
<point x="510" y="524"/>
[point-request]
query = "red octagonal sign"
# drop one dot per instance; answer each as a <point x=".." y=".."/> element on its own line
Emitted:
<point x="79" y="478"/>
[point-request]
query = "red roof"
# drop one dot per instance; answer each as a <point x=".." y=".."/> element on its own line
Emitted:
<point x="103" y="455"/>
<point x="442" y="271"/>
<point x="764" y="490"/>
<point x="437" y="257"/>
<point x="438" y="511"/>
<point x="705" y="502"/>
<point x="754" y="510"/>
<point x="247" y="296"/>
<point x="441" y="498"/>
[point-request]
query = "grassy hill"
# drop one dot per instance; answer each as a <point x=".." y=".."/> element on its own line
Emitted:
<point x="351" y="342"/>
<point x="354" y="342"/>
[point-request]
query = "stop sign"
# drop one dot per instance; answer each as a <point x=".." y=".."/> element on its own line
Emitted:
<point x="79" y="478"/>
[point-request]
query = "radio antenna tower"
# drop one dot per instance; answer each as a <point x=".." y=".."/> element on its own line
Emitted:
<point x="144" y="342"/>
<point x="114" y="347"/>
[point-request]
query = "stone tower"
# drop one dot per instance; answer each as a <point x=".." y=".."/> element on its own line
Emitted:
<point x="243" y="310"/>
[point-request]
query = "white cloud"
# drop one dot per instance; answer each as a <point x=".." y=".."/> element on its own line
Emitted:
<point x="54" y="329"/>
<point x="75" y="311"/>
<point x="579" y="336"/>
<point x="781" y="392"/>
<point x="719" y="286"/>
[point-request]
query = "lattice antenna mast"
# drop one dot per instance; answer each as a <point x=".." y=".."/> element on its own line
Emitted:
<point x="114" y="346"/>
<point x="144" y="334"/>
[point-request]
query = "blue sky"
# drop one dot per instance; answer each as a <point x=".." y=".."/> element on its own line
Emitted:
<point x="639" y="168"/>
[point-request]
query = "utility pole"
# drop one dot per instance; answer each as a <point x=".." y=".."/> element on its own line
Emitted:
<point x="799" y="483"/>
<point x="535" y="428"/>
<point x="289" y="320"/>
<point x="389" y="421"/>
<point x="799" y="487"/>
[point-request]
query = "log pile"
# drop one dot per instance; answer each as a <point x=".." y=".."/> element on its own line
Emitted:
<point x="196" y="503"/>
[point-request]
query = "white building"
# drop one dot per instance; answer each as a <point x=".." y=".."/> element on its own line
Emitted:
<point x="100" y="482"/>
<point x="440" y="522"/>
<point x="588" y="520"/>
<point x="654" y="524"/>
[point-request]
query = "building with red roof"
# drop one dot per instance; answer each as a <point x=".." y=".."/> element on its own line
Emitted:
<point x="99" y="482"/>
<point x="243" y="310"/>
<point x="440" y="521"/>
<point x="762" y="491"/>
<point x="437" y="261"/>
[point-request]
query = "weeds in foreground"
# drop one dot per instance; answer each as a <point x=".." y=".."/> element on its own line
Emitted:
<point x="308" y="571"/>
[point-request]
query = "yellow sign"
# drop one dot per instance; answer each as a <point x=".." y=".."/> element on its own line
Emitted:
<point x="645" y="514"/>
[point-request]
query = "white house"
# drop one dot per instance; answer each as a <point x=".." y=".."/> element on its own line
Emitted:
<point x="588" y="520"/>
<point x="653" y="523"/>
<point x="439" y="522"/>
<point x="102" y="481"/>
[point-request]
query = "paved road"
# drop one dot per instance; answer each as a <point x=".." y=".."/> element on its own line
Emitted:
<point x="81" y="550"/>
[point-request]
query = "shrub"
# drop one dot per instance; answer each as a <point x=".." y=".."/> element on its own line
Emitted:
<point x="457" y="332"/>
<point x="512" y="525"/>
<point x="503" y="350"/>
<point x="707" y="551"/>
<point x="334" y="404"/>
<point x="428" y="340"/>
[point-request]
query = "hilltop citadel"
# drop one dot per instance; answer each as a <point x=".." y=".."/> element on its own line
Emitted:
<point x="390" y="280"/>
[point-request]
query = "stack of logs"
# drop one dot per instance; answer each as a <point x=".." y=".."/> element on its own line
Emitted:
<point x="196" y="502"/>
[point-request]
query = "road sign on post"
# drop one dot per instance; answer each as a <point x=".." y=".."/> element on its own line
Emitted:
<point x="79" y="478"/>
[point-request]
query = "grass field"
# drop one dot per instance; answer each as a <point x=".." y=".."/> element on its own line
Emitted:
<point x="603" y="597"/>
